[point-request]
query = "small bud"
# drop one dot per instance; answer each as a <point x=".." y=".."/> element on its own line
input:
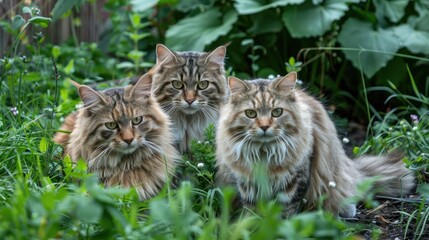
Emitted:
<point x="346" y="140"/>
<point x="200" y="165"/>
<point x="332" y="184"/>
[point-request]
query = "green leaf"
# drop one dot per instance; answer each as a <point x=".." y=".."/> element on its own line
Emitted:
<point x="61" y="7"/>
<point x="142" y="5"/>
<point x="189" y="5"/>
<point x="265" y="22"/>
<point x="56" y="51"/>
<point x="414" y="40"/>
<point x="70" y="67"/>
<point x="254" y="6"/>
<point x="41" y="21"/>
<point x="393" y="10"/>
<point x="17" y="22"/>
<point x="196" y="32"/>
<point x="309" y="20"/>
<point x="27" y="10"/>
<point x="359" y="34"/>
<point x="89" y="211"/>
<point x="43" y="145"/>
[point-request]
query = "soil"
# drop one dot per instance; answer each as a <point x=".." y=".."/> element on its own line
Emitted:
<point x="390" y="217"/>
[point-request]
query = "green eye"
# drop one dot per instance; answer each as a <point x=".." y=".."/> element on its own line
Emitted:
<point x="137" y="120"/>
<point x="111" y="125"/>
<point x="203" y="85"/>
<point x="277" y="112"/>
<point x="177" y="84"/>
<point x="250" y="113"/>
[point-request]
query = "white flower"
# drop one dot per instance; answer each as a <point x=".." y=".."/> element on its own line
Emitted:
<point x="200" y="165"/>
<point x="332" y="184"/>
<point x="199" y="142"/>
<point x="271" y="76"/>
<point x="80" y="105"/>
<point x="299" y="82"/>
<point x="207" y="142"/>
<point x="346" y="140"/>
<point x="415" y="128"/>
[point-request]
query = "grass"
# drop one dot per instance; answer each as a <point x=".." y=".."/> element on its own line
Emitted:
<point x="44" y="196"/>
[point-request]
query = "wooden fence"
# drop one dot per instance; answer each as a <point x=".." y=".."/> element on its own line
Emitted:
<point x="91" y="15"/>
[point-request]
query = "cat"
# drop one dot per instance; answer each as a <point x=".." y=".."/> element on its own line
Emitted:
<point x="273" y="127"/>
<point x="124" y="137"/>
<point x="190" y="87"/>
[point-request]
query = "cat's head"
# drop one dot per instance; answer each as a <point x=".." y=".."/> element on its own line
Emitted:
<point x="262" y="111"/>
<point x="121" y="121"/>
<point x="189" y="81"/>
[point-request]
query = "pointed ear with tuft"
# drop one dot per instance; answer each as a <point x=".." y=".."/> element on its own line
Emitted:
<point x="217" y="56"/>
<point x="89" y="96"/>
<point x="285" y="83"/>
<point x="237" y="86"/>
<point x="164" y="55"/>
<point x="143" y="86"/>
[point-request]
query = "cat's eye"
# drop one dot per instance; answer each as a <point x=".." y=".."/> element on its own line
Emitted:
<point x="250" y="113"/>
<point x="277" y="112"/>
<point x="111" y="125"/>
<point x="177" y="84"/>
<point x="203" y="85"/>
<point x="137" y="120"/>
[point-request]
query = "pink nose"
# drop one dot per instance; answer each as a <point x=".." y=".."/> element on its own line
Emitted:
<point x="128" y="140"/>
<point x="190" y="101"/>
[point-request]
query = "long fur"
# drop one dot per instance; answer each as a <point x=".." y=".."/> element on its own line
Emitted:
<point x="134" y="154"/>
<point x="300" y="151"/>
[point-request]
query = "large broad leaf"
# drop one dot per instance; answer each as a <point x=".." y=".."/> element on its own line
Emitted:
<point x="414" y="35"/>
<point x="310" y="20"/>
<point x="265" y="22"/>
<point x="359" y="34"/>
<point x="393" y="10"/>
<point x="254" y="6"/>
<point x="196" y="32"/>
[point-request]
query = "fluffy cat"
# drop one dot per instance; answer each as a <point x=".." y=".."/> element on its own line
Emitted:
<point x="274" y="126"/>
<point x="190" y="87"/>
<point x="123" y="135"/>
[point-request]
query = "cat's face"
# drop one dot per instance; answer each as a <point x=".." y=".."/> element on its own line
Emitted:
<point x="122" y="121"/>
<point x="262" y="111"/>
<point x="189" y="82"/>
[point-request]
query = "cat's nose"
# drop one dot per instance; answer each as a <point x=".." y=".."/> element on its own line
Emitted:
<point x="128" y="140"/>
<point x="190" y="101"/>
<point x="264" y="128"/>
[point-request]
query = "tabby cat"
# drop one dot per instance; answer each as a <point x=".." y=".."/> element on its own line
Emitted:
<point x="123" y="135"/>
<point x="274" y="126"/>
<point x="190" y="87"/>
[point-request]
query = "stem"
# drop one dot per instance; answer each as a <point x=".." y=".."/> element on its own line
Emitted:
<point x="363" y="50"/>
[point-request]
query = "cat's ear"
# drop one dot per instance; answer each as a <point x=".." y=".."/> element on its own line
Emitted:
<point x="143" y="86"/>
<point x="87" y="94"/>
<point x="217" y="56"/>
<point x="285" y="83"/>
<point x="164" y="55"/>
<point x="237" y="86"/>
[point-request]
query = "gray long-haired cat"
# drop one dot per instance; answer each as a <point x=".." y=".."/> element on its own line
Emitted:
<point x="190" y="87"/>
<point x="124" y="136"/>
<point x="274" y="127"/>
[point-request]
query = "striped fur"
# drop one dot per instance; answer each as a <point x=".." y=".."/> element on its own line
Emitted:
<point x="299" y="151"/>
<point x="124" y="137"/>
<point x="179" y="85"/>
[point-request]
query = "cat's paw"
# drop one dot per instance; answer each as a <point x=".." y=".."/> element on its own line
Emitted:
<point x="348" y="211"/>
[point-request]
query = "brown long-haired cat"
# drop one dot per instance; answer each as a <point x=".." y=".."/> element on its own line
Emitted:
<point x="124" y="136"/>
<point x="190" y="87"/>
<point x="274" y="127"/>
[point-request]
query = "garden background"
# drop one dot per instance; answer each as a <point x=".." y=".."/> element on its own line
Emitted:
<point x="367" y="61"/>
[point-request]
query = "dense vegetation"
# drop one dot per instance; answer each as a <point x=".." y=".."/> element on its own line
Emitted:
<point x="369" y="59"/>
